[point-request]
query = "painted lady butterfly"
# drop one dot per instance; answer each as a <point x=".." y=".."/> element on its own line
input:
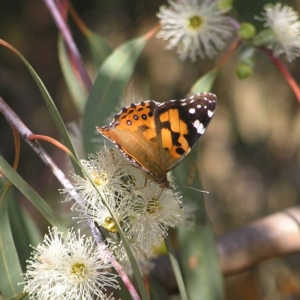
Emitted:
<point x="156" y="137"/>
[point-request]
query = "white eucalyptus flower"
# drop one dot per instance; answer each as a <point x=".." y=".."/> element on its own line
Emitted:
<point x="195" y="27"/>
<point x="154" y="211"/>
<point x="284" y="23"/>
<point x="70" y="268"/>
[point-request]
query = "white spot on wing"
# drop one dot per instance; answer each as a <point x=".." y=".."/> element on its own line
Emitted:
<point x="199" y="126"/>
<point x="192" y="110"/>
<point x="210" y="113"/>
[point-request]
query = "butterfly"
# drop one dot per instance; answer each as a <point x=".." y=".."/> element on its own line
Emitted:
<point x="156" y="137"/>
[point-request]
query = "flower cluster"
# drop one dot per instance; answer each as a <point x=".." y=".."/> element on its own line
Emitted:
<point x="113" y="193"/>
<point x="201" y="27"/>
<point x="68" y="268"/>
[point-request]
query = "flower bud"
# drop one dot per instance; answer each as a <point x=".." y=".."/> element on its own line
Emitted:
<point x="243" y="70"/>
<point x="246" y="31"/>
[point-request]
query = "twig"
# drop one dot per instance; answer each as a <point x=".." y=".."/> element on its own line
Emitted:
<point x="62" y="26"/>
<point x="16" y="123"/>
<point x="275" y="235"/>
<point x="232" y="48"/>
<point x="284" y="71"/>
<point x="272" y="236"/>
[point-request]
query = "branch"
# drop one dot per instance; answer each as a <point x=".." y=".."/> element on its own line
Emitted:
<point x="274" y="235"/>
<point x="284" y="71"/>
<point x="240" y="249"/>
<point x="63" y="28"/>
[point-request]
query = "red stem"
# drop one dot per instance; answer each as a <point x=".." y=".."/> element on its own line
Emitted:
<point x="284" y="71"/>
<point x="232" y="48"/>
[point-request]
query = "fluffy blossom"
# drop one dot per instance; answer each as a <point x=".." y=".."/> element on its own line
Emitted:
<point x="143" y="210"/>
<point x="70" y="268"/>
<point x="196" y="27"/>
<point x="284" y="23"/>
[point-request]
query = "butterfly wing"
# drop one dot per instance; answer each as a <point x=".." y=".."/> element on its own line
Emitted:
<point x="133" y="132"/>
<point x="180" y="124"/>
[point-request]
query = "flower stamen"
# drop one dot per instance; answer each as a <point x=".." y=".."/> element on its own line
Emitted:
<point x="195" y="22"/>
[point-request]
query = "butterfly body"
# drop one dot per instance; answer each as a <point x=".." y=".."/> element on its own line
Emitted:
<point x="157" y="136"/>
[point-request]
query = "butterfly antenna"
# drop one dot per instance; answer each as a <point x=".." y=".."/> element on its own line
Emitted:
<point x="198" y="190"/>
<point x="175" y="196"/>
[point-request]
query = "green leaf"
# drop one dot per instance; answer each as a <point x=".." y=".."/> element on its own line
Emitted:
<point x="200" y="263"/>
<point x="204" y="83"/>
<point x="19" y="297"/>
<point x="31" y="195"/>
<point x="24" y="231"/>
<point x="176" y="268"/>
<point x="157" y="292"/>
<point x="50" y="104"/>
<point x="198" y="255"/>
<point x="109" y="87"/>
<point x="10" y="274"/>
<point x="99" y="47"/>
<point x="74" y="84"/>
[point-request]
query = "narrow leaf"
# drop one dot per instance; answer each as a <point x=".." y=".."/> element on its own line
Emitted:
<point x="204" y="83"/>
<point x="99" y="47"/>
<point x="10" y="274"/>
<point x="199" y="263"/>
<point x="23" y="229"/>
<point x="176" y="269"/>
<point x="49" y="102"/>
<point x="31" y="195"/>
<point x="109" y="87"/>
<point x="198" y="255"/>
<point x="74" y="83"/>
<point x="157" y="292"/>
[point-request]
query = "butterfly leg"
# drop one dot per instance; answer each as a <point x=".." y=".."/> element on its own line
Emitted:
<point x="143" y="186"/>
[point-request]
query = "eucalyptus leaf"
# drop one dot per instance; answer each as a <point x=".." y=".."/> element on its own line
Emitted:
<point x="109" y="87"/>
<point x="157" y="292"/>
<point x="198" y="255"/>
<point x="99" y="47"/>
<point x="22" y="234"/>
<point x="31" y="195"/>
<point x="199" y="262"/>
<point x="74" y="83"/>
<point x="204" y="83"/>
<point x="50" y="104"/>
<point x="10" y="274"/>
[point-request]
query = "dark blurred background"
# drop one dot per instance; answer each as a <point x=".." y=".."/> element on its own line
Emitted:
<point x="250" y="158"/>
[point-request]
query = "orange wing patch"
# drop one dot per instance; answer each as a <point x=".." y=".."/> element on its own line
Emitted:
<point x="157" y="136"/>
